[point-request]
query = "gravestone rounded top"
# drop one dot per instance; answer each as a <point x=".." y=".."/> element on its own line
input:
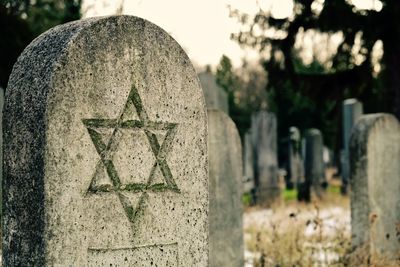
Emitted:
<point x="216" y="97"/>
<point x="294" y="134"/>
<point x="106" y="146"/>
<point x="313" y="132"/>
<point x="375" y="183"/>
<point x="362" y="129"/>
<point x="350" y="101"/>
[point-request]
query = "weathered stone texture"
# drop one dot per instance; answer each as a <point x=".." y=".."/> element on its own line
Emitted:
<point x="225" y="161"/>
<point x="313" y="162"/>
<point x="216" y="97"/>
<point x="264" y="132"/>
<point x="352" y="111"/>
<point x="105" y="150"/>
<point x="295" y="162"/>
<point x="375" y="184"/>
<point x="1" y="144"/>
<point x="248" y="163"/>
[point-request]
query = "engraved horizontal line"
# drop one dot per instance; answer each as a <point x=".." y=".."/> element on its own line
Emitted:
<point x="136" y="187"/>
<point x="131" y="124"/>
<point x="133" y="248"/>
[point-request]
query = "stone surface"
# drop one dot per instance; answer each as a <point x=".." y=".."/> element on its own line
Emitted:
<point x="264" y="135"/>
<point x="248" y="163"/>
<point x="216" y="97"/>
<point x="352" y="111"/>
<point x="225" y="161"/>
<point x="375" y="184"/>
<point x="295" y="162"/>
<point x="313" y="164"/>
<point x="105" y="136"/>
<point x="1" y="144"/>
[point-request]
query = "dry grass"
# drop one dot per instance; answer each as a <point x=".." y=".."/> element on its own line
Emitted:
<point x="296" y="234"/>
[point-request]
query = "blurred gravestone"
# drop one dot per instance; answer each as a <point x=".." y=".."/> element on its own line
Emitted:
<point x="375" y="184"/>
<point x="105" y="150"/>
<point x="264" y="139"/>
<point x="313" y="165"/>
<point x="225" y="160"/>
<point x="328" y="157"/>
<point x="352" y="110"/>
<point x="248" y="164"/>
<point x="295" y="170"/>
<point x="216" y="97"/>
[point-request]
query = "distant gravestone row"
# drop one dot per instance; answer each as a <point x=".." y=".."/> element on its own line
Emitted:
<point x="375" y="184"/>
<point x="105" y="150"/>
<point x="225" y="157"/>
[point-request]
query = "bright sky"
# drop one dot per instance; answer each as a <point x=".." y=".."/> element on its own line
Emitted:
<point x="202" y="27"/>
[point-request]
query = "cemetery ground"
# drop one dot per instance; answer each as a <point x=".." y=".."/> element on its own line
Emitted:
<point x="291" y="233"/>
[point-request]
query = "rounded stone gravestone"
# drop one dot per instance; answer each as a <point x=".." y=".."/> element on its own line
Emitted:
<point x="314" y="168"/>
<point x="375" y="184"/>
<point x="215" y="96"/>
<point x="295" y="162"/>
<point x="248" y="164"/>
<point x="352" y="109"/>
<point x="105" y="150"/>
<point x="265" y="147"/>
<point x="225" y="157"/>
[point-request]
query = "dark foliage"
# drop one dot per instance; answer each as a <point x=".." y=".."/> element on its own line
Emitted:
<point x="23" y="20"/>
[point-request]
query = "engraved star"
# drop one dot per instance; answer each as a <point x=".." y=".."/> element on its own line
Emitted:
<point x="106" y="152"/>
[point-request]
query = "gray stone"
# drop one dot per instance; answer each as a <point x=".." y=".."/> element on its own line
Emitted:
<point x="352" y="111"/>
<point x="264" y="135"/>
<point x="248" y="163"/>
<point x="1" y="144"/>
<point x="216" y="97"/>
<point x="375" y="184"/>
<point x="328" y="157"/>
<point x="313" y="162"/>
<point x="296" y="169"/>
<point x="105" y="135"/>
<point x="225" y="161"/>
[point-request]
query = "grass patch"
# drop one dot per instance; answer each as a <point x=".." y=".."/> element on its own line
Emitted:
<point x="247" y="199"/>
<point x="335" y="189"/>
<point x="289" y="194"/>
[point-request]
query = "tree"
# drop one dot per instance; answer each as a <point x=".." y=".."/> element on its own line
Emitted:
<point x="21" y="21"/>
<point x="314" y="91"/>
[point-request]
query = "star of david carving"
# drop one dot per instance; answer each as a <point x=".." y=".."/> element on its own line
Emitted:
<point x="107" y="149"/>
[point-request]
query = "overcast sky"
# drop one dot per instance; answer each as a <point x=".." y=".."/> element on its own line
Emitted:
<point x="202" y="27"/>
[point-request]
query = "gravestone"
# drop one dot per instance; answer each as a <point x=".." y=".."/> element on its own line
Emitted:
<point x="264" y="139"/>
<point x="248" y="164"/>
<point x="313" y="165"/>
<point x="328" y="157"/>
<point x="295" y="170"/>
<point x="105" y="150"/>
<point x="225" y="161"/>
<point x="352" y="110"/>
<point x="375" y="184"/>
<point x="216" y="97"/>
